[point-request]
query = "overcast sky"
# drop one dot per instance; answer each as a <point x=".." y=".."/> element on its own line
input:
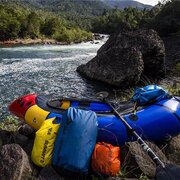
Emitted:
<point x="151" y="2"/>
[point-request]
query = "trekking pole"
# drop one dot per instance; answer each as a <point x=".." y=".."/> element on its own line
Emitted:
<point x="163" y="172"/>
<point x="103" y="95"/>
<point x="144" y="146"/>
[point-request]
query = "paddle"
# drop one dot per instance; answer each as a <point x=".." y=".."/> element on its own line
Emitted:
<point x="163" y="172"/>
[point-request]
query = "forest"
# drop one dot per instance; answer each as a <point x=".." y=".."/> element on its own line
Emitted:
<point x="30" y="21"/>
<point x="21" y="22"/>
<point x="164" y="18"/>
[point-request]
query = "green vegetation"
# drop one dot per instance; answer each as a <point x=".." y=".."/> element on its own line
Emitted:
<point x="167" y="21"/>
<point x="72" y="21"/>
<point x="165" y="18"/>
<point x="19" y="22"/>
<point x="11" y="123"/>
<point x="116" y="19"/>
<point x="178" y="67"/>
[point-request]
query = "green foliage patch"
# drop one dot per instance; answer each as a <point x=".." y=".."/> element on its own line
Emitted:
<point x="164" y="18"/>
<point x="67" y="20"/>
<point x="10" y="123"/>
<point x="21" y="22"/>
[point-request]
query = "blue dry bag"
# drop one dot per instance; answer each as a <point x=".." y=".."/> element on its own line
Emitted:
<point x="75" y="141"/>
<point x="149" y="94"/>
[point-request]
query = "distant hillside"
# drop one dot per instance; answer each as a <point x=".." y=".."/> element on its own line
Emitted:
<point x="76" y="12"/>
<point x="82" y="8"/>
<point x="121" y="4"/>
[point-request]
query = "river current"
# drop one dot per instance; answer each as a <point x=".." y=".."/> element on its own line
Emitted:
<point x="45" y="69"/>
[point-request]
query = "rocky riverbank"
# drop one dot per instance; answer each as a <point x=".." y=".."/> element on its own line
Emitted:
<point x="16" y="147"/>
<point x="32" y="41"/>
<point x="47" y="41"/>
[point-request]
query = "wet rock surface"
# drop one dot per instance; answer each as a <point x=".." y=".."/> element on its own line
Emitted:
<point x="127" y="54"/>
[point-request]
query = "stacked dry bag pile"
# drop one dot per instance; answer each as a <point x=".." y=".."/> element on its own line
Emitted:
<point x="71" y="146"/>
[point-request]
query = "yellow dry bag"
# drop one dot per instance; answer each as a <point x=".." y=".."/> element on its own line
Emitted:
<point x="44" y="143"/>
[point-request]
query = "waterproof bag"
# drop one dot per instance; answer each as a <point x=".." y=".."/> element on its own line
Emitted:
<point x="75" y="142"/>
<point x="149" y="94"/>
<point x="44" y="143"/>
<point x="106" y="159"/>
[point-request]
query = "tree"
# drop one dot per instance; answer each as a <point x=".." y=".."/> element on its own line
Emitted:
<point x="167" y="21"/>
<point x="9" y="26"/>
<point x="50" y="26"/>
<point x="32" y="26"/>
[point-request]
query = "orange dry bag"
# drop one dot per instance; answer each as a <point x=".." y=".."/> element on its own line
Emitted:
<point x="106" y="159"/>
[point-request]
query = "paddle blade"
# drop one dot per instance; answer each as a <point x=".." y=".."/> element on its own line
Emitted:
<point x="170" y="172"/>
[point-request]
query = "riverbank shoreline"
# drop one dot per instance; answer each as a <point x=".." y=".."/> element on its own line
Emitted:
<point x="44" y="41"/>
<point x="33" y="42"/>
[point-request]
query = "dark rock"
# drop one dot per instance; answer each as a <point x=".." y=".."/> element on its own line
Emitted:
<point x="172" y="46"/>
<point x="173" y="152"/>
<point x="127" y="54"/>
<point x="109" y="67"/>
<point x="48" y="173"/>
<point x="6" y="137"/>
<point x="28" y="148"/>
<point x="129" y="166"/>
<point x="14" y="163"/>
<point x="145" y="163"/>
<point x="26" y="130"/>
<point x="20" y="139"/>
<point x="98" y="37"/>
<point x="25" y="142"/>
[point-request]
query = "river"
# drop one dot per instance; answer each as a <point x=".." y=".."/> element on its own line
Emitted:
<point x="46" y="69"/>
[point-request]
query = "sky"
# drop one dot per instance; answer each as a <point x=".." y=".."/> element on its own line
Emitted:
<point x="151" y="2"/>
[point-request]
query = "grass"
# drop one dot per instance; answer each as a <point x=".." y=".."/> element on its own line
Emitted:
<point x="174" y="90"/>
<point x="177" y="68"/>
<point x="10" y="123"/>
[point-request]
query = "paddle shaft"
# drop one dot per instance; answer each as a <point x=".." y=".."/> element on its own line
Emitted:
<point x="144" y="146"/>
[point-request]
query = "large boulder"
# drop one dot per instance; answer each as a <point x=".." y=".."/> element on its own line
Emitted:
<point x="125" y="57"/>
<point x="14" y="163"/>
